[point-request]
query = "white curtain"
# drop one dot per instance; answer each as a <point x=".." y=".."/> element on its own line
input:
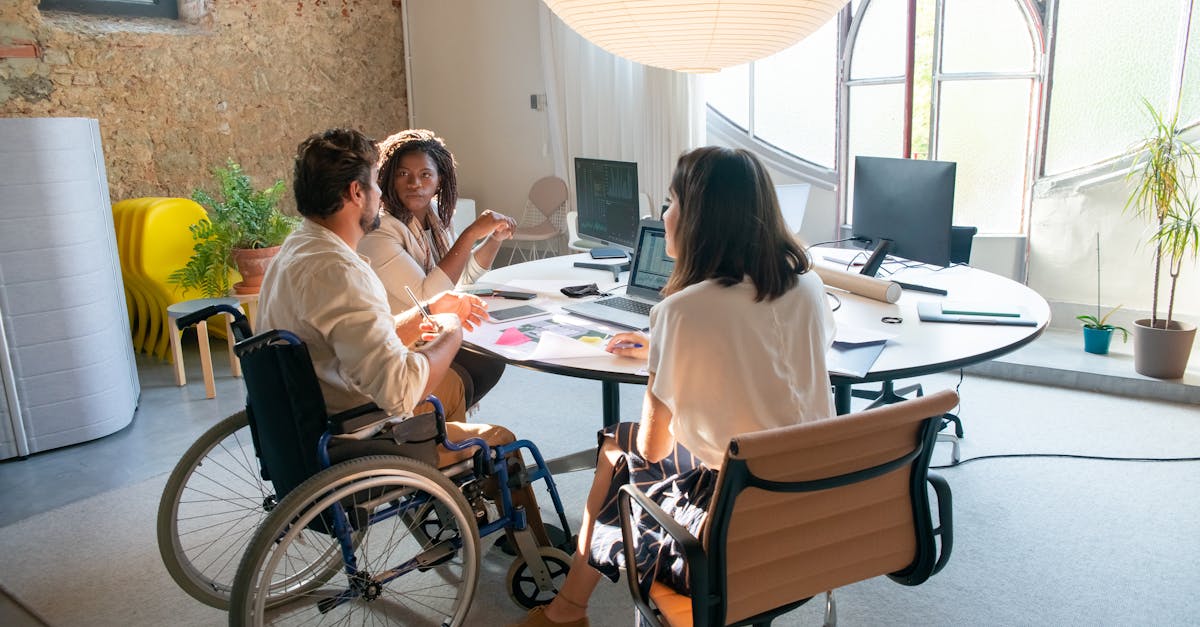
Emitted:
<point x="604" y="107"/>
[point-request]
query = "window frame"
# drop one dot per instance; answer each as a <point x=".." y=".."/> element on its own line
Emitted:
<point x="1107" y="168"/>
<point x="160" y="8"/>
<point x="1035" y="19"/>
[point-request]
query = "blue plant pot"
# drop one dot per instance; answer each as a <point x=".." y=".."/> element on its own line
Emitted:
<point x="1096" y="341"/>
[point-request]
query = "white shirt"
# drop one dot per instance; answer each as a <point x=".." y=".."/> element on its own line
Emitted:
<point x="397" y="258"/>
<point x="725" y="365"/>
<point x="324" y="292"/>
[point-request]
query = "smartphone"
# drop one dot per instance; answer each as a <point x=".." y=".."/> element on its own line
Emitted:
<point x="514" y="295"/>
<point x="480" y="291"/>
<point x="514" y="313"/>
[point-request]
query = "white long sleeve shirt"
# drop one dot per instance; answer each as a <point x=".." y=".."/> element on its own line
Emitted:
<point x="398" y="258"/>
<point x="326" y="293"/>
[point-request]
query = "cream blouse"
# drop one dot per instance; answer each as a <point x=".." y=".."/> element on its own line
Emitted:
<point x="401" y="255"/>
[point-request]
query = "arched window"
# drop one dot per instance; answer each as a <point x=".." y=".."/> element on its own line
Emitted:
<point x="976" y="81"/>
<point x="1108" y="56"/>
<point x="787" y="100"/>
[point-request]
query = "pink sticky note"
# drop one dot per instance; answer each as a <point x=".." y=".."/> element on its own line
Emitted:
<point x="512" y="337"/>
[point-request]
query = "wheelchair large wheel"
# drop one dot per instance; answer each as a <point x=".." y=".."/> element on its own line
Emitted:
<point x="212" y="504"/>
<point x="405" y="573"/>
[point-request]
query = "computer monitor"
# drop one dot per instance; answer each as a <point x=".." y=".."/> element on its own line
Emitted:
<point x="907" y="201"/>
<point x="606" y="201"/>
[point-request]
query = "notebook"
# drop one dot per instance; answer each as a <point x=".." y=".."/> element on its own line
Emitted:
<point x="965" y="313"/>
<point x="647" y="275"/>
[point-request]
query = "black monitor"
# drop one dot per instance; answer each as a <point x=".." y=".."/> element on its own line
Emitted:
<point x="907" y="201"/>
<point x="606" y="199"/>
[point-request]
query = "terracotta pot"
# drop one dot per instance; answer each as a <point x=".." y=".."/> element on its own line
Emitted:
<point x="1160" y="351"/>
<point x="252" y="265"/>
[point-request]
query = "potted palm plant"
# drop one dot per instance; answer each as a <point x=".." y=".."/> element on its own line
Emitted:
<point x="244" y="230"/>
<point x="1162" y="345"/>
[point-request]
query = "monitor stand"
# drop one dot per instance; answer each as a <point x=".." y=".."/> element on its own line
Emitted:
<point x="615" y="268"/>
<point x="871" y="267"/>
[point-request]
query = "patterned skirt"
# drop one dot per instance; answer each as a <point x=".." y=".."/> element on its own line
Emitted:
<point x="680" y="484"/>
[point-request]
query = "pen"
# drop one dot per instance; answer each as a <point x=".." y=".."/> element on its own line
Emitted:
<point x="421" y="308"/>
<point x="627" y="345"/>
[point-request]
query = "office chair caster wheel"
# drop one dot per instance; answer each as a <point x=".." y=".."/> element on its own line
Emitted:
<point x="523" y="587"/>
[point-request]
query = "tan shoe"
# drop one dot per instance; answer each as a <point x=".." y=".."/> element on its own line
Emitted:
<point x="537" y="618"/>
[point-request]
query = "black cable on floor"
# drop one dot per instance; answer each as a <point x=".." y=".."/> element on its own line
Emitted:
<point x="1070" y="456"/>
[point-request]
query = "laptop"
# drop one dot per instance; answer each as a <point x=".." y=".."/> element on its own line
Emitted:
<point x="648" y="274"/>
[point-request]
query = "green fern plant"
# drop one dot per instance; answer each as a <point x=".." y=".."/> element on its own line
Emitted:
<point x="241" y="217"/>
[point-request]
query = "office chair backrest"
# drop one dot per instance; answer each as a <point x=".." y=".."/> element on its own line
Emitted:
<point x="804" y="509"/>
<point x="961" y="238"/>
<point x="548" y="194"/>
<point x="285" y="407"/>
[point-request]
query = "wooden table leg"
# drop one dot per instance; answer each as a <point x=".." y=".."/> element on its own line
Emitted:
<point x="177" y="352"/>
<point x="234" y="365"/>
<point x="210" y="387"/>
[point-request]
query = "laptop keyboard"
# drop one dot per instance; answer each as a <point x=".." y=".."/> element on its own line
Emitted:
<point x="627" y="304"/>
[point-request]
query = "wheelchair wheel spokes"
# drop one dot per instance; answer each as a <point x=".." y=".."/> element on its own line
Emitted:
<point x="400" y="574"/>
<point x="213" y="502"/>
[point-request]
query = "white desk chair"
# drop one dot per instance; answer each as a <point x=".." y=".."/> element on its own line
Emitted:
<point x="542" y="223"/>
<point x="576" y="243"/>
<point x="464" y="215"/>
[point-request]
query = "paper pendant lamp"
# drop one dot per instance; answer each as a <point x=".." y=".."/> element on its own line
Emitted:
<point x="696" y="36"/>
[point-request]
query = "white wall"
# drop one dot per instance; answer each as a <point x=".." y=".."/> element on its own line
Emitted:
<point x="474" y="65"/>
<point x="1062" y="260"/>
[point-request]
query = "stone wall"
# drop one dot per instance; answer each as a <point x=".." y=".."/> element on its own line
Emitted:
<point x="247" y="79"/>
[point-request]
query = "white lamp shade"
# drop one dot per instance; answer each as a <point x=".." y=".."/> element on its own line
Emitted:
<point x="694" y="36"/>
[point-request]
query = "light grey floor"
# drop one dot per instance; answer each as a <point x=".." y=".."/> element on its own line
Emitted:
<point x="1038" y="541"/>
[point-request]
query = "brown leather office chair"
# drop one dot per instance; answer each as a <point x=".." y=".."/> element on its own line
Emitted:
<point x="805" y="509"/>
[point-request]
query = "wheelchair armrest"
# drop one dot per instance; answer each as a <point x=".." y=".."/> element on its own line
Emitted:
<point x="356" y="418"/>
<point x="945" y="526"/>
<point x="241" y="326"/>
<point x="693" y="550"/>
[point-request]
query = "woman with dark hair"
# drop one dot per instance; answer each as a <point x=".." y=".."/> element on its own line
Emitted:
<point x="737" y="345"/>
<point x="414" y="245"/>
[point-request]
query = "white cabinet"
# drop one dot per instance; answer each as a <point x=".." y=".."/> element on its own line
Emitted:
<point x="67" y="360"/>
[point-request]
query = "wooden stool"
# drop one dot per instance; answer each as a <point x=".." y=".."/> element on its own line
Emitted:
<point x="178" y="310"/>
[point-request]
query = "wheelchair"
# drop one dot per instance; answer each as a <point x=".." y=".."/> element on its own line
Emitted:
<point x="282" y="514"/>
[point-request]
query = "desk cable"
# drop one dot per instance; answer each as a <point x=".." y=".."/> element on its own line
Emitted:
<point x="1105" y="458"/>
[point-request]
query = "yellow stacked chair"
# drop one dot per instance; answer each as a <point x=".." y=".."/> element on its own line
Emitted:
<point x="154" y="241"/>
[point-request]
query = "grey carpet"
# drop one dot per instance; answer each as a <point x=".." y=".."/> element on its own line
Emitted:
<point x="1038" y="541"/>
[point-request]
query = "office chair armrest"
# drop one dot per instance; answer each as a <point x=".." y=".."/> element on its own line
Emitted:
<point x="945" y="527"/>
<point x="693" y="550"/>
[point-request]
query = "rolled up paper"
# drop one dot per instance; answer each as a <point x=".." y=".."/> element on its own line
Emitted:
<point x="855" y="283"/>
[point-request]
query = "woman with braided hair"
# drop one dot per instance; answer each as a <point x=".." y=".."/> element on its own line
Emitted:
<point x="414" y="245"/>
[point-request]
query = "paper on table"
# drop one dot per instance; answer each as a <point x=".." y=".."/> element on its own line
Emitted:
<point x="555" y="346"/>
<point x="856" y="336"/>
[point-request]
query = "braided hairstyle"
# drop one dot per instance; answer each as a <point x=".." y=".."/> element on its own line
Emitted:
<point x="417" y="140"/>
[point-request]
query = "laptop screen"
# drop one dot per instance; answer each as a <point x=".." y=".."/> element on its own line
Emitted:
<point x="651" y="265"/>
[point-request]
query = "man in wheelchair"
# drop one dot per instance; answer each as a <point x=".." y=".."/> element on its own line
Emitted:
<point x="323" y="291"/>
